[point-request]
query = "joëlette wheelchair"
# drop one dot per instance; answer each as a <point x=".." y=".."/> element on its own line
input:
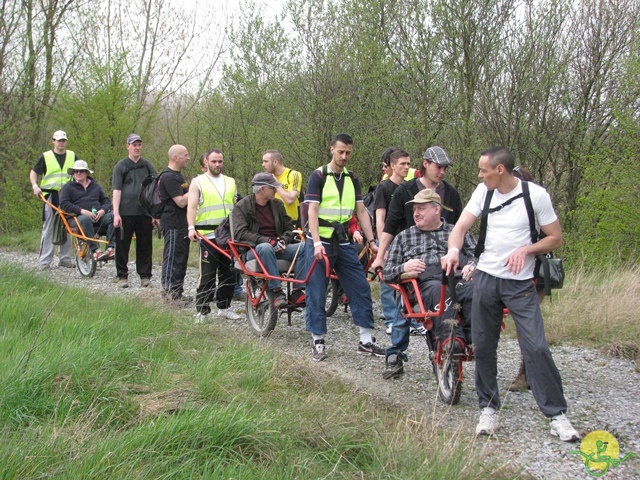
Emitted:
<point x="446" y="363"/>
<point x="262" y="315"/>
<point x="85" y="261"/>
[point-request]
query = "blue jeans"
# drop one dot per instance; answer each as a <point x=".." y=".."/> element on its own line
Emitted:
<point x="90" y="228"/>
<point x="354" y="283"/>
<point x="389" y="305"/>
<point x="270" y="257"/>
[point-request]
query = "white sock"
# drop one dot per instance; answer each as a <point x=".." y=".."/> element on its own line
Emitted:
<point x="317" y="337"/>
<point x="365" y="335"/>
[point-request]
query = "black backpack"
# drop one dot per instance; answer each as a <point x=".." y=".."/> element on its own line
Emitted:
<point x="150" y="200"/>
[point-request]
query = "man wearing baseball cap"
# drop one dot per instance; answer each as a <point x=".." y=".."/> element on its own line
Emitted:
<point x="261" y="219"/>
<point x="128" y="175"/>
<point x="418" y="250"/>
<point x="52" y="166"/>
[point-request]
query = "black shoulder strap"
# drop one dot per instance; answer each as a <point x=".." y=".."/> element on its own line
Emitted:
<point x="482" y="235"/>
<point x="486" y="211"/>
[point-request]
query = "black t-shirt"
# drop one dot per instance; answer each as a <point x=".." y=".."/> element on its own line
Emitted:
<point x="384" y="192"/>
<point x="173" y="184"/>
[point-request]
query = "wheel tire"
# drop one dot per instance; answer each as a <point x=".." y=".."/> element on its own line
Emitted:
<point x="449" y="387"/>
<point x="263" y="318"/>
<point x="84" y="260"/>
<point x="331" y="302"/>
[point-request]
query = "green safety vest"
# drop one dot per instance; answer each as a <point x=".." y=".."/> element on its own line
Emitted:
<point x="56" y="177"/>
<point x="334" y="208"/>
<point x="213" y="208"/>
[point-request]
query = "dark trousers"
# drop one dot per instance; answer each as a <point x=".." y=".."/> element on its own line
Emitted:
<point x="174" y="261"/>
<point x="214" y="266"/>
<point x="141" y="226"/>
<point x="490" y="296"/>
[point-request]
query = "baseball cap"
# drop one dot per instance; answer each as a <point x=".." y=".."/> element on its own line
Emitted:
<point x="134" y="137"/>
<point x="59" y="135"/>
<point x="438" y="156"/>
<point x="266" y="179"/>
<point x="427" y="196"/>
<point x="79" y="165"/>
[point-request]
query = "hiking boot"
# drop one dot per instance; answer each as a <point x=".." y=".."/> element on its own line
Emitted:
<point x="393" y="367"/>
<point x="145" y="282"/>
<point x="561" y="427"/>
<point x="278" y="298"/>
<point x="45" y="266"/>
<point x="371" y="348"/>
<point x="519" y="384"/>
<point x="67" y="263"/>
<point x="123" y="283"/>
<point x="319" y="351"/>
<point x="201" y="317"/>
<point x="488" y="422"/>
<point x="298" y="297"/>
<point x="180" y="302"/>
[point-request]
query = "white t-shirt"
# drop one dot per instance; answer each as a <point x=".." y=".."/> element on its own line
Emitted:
<point x="508" y="229"/>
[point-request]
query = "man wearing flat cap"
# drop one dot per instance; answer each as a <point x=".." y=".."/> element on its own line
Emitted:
<point x="84" y="197"/>
<point x="435" y="162"/>
<point x="52" y="166"/>
<point x="261" y="219"/>
<point x="418" y="250"/>
<point x="128" y="175"/>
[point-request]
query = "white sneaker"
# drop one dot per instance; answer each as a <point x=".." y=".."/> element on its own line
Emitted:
<point x="201" y="318"/>
<point x="389" y="329"/>
<point x="228" y="314"/>
<point x="561" y="427"/>
<point x="488" y="423"/>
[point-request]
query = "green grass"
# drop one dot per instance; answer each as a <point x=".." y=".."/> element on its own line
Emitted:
<point x="101" y="387"/>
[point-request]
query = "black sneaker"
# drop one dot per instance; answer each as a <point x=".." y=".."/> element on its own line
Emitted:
<point x="371" y="348"/>
<point x="297" y="297"/>
<point x="319" y="351"/>
<point x="278" y="298"/>
<point x="393" y="367"/>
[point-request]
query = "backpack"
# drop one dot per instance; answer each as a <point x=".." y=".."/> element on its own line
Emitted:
<point x="149" y="198"/>
<point x="368" y="205"/>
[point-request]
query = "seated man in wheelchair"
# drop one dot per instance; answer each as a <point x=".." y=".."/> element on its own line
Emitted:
<point x="84" y="197"/>
<point x="261" y="219"/>
<point x="417" y="250"/>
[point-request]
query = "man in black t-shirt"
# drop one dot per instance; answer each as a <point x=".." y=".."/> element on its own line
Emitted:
<point x="399" y="163"/>
<point x="174" y="193"/>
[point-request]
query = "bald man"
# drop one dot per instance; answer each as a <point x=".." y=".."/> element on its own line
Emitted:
<point x="174" y="193"/>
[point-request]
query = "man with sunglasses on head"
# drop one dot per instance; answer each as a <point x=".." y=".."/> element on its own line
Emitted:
<point x="52" y="166"/>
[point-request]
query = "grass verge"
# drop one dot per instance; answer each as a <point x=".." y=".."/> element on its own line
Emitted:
<point x="99" y="387"/>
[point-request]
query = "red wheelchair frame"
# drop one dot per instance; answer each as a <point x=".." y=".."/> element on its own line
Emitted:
<point x="261" y="313"/>
<point x="447" y="366"/>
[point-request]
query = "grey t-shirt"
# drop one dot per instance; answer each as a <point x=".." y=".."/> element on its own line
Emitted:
<point x="127" y="177"/>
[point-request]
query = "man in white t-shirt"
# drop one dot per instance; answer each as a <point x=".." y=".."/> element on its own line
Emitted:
<point x="503" y="278"/>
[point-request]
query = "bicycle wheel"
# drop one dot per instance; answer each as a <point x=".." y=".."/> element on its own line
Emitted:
<point x="331" y="302"/>
<point x="263" y="317"/>
<point x="449" y="386"/>
<point x="84" y="260"/>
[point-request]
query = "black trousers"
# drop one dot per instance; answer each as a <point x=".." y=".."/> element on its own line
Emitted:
<point x="214" y="266"/>
<point x="174" y="261"/>
<point x="141" y="226"/>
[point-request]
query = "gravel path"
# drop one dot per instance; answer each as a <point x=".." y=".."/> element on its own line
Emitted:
<point x="601" y="391"/>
